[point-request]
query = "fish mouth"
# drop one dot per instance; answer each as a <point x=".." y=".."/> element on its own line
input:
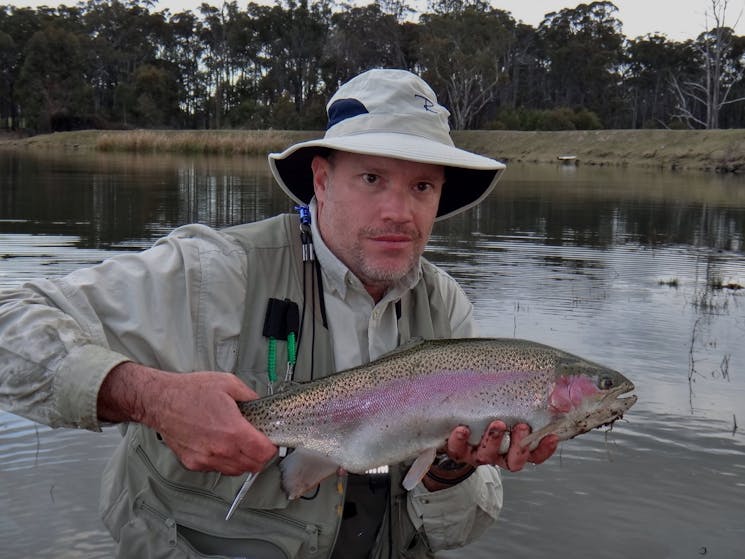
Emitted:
<point x="613" y="398"/>
<point x="605" y="411"/>
<point x="611" y="407"/>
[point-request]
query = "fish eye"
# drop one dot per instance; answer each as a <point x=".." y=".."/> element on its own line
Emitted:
<point x="605" y="382"/>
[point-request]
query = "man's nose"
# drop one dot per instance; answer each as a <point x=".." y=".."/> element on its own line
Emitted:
<point x="397" y="203"/>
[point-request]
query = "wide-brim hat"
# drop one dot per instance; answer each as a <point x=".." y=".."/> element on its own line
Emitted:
<point x="391" y="113"/>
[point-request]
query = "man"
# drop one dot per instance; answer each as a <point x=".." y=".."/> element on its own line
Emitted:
<point x="165" y="342"/>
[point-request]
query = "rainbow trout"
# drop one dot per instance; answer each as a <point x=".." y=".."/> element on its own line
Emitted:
<point x="404" y="405"/>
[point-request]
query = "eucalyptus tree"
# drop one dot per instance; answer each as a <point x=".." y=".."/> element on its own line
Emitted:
<point x="9" y="57"/>
<point x="183" y="49"/>
<point x="527" y="69"/>
<point x="247" y="49"/>
<point x="19" y="23"/>
<point x="122" y="36"/>
<point x="248" y="100"/>
<point x="732" y="114"/>
<point x="214" y="35"/>
<point x="156" y="93"/>
<point x="52" y="81"/>
<point x="235" y="55"/>
<point x="719" y="56"/>
<point x="583" y="48"/>
<point x="295" y="35"/>
<point x="464" y="49"/>
<point x="399" y="9"/>
<point x="352" y="48"/>
<point x="17" y="26"/>
<point x="652" y="61"/>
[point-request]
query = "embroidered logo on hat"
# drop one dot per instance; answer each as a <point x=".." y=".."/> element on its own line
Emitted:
<point x="427" y="103"/>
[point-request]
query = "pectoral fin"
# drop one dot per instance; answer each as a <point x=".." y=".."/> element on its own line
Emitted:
<point x="419" y="468"/>
<point x="302" y="470"/>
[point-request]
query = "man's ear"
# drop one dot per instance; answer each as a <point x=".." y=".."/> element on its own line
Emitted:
<point x="320" y="167"/>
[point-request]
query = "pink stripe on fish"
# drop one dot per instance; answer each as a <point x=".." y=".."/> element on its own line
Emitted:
<point x="433" y="389"/>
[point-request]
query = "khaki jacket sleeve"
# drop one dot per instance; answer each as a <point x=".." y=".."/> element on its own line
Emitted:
<point x="60" y="338"/>
<point x="456" y="516"/>
<point x="51" y="366"/>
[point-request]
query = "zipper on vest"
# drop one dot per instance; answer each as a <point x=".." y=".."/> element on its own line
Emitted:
<point x="168" y="522"/>
<point x="170" y="484"/>
<point x="312" y="540"/>
<point x="311" y="531"/>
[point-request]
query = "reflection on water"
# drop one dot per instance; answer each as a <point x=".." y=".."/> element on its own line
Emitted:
<point x="124" y="200"/>
<point x="48" y="491"/>
<point x="636" y="269"/>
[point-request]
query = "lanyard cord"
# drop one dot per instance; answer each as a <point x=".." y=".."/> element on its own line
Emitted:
<point x="313" y="325"/>
<point x="321" y="298"/>
<point x="316" y="283"/>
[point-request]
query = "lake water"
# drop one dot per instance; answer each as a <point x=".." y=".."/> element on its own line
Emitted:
<point x="636" y="269"/>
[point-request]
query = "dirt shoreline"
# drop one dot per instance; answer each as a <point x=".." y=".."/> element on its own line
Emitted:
<point x="699" y="150"/>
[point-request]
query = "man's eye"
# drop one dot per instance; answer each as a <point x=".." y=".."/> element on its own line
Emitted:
<point x="370" y="178"/>
<point x="423" y="186"/>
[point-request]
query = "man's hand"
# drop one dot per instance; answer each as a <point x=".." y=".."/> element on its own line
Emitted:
<point x="195" y="414"/>
<point x="487" y="451"/>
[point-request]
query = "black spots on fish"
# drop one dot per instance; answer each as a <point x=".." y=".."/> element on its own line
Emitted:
<point x="583" y="424"/>
<point x="523" y="373"/>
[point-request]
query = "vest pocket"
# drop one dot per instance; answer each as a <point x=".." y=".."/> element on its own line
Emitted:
<point x="197" y="502"/>
<point x="165" y="468"/>
<point x="197" y="533"/>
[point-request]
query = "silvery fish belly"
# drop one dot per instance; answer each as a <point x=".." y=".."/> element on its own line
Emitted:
<point x="405" y="405"/>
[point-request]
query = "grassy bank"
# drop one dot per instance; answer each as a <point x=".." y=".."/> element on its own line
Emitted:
<point x="706" y="150"/>
<point x="223" y="142"/>
<point x="709" y="150"/>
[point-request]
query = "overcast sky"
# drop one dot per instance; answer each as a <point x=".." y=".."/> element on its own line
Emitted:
<point x="678" y="19"/>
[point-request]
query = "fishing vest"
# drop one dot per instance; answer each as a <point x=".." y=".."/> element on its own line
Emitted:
<point x="149" y="500"/>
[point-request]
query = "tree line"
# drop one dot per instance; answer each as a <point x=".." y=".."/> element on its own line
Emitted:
<point x="127" y="64"/>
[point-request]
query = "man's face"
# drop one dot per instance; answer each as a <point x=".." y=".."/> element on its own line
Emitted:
<point x="376" y="213"/>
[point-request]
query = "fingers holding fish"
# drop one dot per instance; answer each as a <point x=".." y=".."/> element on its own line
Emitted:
<point x="515" y="455"/>
<point x="544" y="450"/>
<point x="499" y="446"/>
<point x="488" y="450"/>
<point x="230" y="452"/>
<point x="198" y="419"/>
<point x="457" y="446"/>
<point x="494" y="443"/>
